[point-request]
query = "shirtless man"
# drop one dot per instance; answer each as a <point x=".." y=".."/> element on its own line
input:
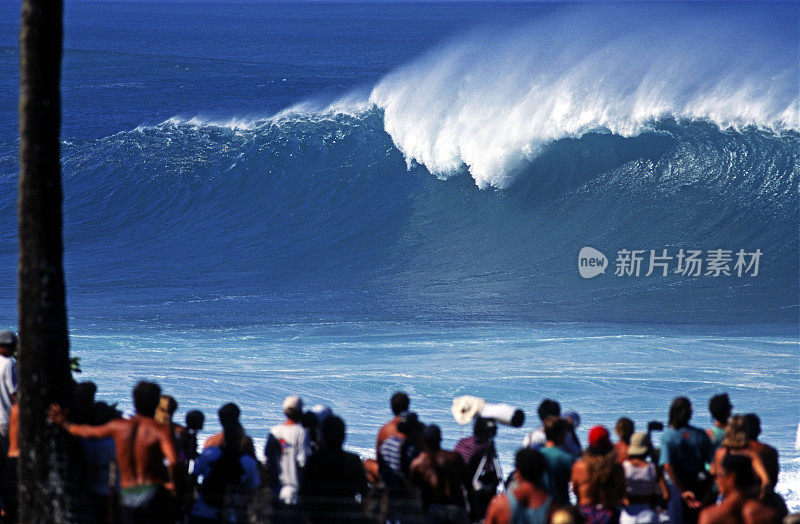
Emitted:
<point x="441" y="477"/>
<point x="734" y="478"/>
<point x="142" y="446"/>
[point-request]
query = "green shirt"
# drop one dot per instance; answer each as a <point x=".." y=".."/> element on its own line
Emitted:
<point x="558" y="469"/>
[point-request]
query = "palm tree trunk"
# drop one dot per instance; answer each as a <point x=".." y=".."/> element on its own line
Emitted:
<point x="44" y="346"/>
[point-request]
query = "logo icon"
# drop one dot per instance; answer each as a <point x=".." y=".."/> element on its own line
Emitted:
<point x="591" y="262"/>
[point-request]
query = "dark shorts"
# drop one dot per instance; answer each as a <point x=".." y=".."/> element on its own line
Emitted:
<point x="446" y="514"/>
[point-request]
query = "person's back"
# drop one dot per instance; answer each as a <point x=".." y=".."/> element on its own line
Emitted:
<point x="441" y="477"/>
<point x="557" y="462"/>
<point x="735" y="478"/>
<point x="399" y="403"/>
<point x="558" y="466"/>
<point x="287" y="450"/>
<point x="229" y="475"/>
<point x="139" y="442"/>
<point x="769" y="458"/>
<point x="598" y="480"/>
<point x="334" y="485"/>
<point x="216" y="440"/>
<point x="720" y="408"/>
<point x="146" y="456"/>
<point x="235" y="492"/>
<point x="644" y="486"/>
<point x="469" y="449"/>
<point x="685" y="452"/>
<point x="766" y="453"/>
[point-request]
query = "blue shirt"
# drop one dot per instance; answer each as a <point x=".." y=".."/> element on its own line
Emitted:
<point x="202" y="467"/>
<point x="687" y="450"/>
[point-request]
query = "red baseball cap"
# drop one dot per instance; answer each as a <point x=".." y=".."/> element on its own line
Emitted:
<point x="598" y="435"/>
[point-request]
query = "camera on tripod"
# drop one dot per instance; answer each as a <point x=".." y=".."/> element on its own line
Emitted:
<point x="467" y="407"/>
<point x="482" y="463"/>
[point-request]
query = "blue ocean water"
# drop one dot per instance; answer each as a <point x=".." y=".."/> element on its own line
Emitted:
<point x="344" y="199"/>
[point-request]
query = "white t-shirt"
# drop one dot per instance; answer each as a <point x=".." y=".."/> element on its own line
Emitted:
<point x="289" y="453"/>
<point x="8" y="387"/>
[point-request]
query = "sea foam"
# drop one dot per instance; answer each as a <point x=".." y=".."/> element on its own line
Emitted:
<point x="491" y="101"/>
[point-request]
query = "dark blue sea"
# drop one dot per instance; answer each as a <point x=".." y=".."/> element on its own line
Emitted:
<point x="340" y="200"/>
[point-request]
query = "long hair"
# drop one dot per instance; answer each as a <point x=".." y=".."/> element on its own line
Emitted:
<point x="166" y="408"/>
<point x="232" y="447"/>
<point x="680" y="411"/>
<point x="606" y="482"/>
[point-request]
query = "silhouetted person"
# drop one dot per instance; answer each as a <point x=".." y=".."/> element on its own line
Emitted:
<point x="399" y="403"/>
<point x="441" y="477"/>
<point x="229" y="475"/>
<point x="767" y="454"/>
<point x="394" y="460"/>
<point x="217" y="439"/>
<point x="479" y="456"/>
<point x="334" y="485"/>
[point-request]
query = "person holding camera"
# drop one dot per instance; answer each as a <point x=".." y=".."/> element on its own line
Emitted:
<point x="480" y="458"/>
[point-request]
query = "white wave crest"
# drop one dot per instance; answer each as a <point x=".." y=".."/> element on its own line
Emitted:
<point x="353" y="105"/>
<point x="491" y="101"/>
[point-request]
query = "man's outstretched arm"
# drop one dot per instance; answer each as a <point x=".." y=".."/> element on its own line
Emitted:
<point x="55" y="414"/>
